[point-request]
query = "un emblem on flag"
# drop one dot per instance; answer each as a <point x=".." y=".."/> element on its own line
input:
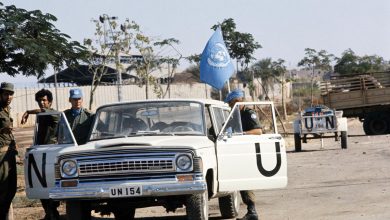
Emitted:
<point x="219" y="56"/>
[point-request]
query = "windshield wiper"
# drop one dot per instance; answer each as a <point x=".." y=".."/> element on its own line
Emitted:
<point x="109" y="137"/>
<point x="149" y="133"/>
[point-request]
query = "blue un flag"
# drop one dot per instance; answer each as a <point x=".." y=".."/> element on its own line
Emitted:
<point x="215" y="64"/>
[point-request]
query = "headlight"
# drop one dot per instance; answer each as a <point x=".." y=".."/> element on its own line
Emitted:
<point x="69" y="168"/>
<point x="184" y="162"/>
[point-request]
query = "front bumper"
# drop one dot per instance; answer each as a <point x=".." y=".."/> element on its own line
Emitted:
<point x="101" y="190"/>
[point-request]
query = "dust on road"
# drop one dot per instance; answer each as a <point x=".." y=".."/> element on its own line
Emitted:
<point x="327" y="184"/>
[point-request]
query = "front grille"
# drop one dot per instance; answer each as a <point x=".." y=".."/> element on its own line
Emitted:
<point x="130" y="163"/>
<point x="126" y="166"/>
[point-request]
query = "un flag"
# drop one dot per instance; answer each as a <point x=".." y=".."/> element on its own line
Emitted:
<point x="216" y="66"/>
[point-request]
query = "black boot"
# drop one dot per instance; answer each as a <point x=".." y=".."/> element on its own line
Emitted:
<point x="52" y="215"/>
<point x="250" y="215"/>
<point x="50" y="207"/>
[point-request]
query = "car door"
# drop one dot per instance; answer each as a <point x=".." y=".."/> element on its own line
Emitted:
<point x="52" y="133"/>
<point x="247" y="162"/>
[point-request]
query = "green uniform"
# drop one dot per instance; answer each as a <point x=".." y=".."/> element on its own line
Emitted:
<point x="80" y="124"/>
<point x="249" y="121"/>
<point x="8" y="180"/>
<point x="48" y="126"/>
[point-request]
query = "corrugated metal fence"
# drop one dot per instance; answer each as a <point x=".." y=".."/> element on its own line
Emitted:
<point x="24" y="98"/>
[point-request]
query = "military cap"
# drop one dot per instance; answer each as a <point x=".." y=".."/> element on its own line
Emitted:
<point x="75" y="93"/>
<point x="7" y="86"/>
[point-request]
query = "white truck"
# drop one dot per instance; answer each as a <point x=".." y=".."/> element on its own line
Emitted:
<point x="170" y="153"/>
<point x="320" y="122"/>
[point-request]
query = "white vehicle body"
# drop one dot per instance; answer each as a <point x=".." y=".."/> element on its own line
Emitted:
<point x="195" y="157"/>
<point x="320" y="124"/>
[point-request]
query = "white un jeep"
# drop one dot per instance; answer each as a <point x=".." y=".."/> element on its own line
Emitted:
<point x="320" y="122"/>
<point x="170" y="153"/>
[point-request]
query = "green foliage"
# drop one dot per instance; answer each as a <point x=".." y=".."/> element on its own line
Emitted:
<point x="306" y="91"/>
<point x="195" y="73"/>
<point x="195" y="58"/>
<point x="317" y="60"/>
<point x="269" y="71"/>
<point x="350" y="63"/>
<point x="152" y="60"/>
<point x="241" y="46"/>
<point x="29" y="42"/>
<point x="113" y="39"/>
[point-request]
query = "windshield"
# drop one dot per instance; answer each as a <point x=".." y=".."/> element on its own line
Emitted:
<point x="149" y="118"/>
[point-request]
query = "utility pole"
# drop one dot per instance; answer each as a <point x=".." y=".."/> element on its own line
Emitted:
<point x="55" y="86"/>
<point x="113" y="44"/>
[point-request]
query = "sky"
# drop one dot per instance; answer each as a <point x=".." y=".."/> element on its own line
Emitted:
<point x="284" y="28"/>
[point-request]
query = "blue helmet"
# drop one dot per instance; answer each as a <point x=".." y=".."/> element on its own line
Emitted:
<point x="75" y="93"/>
<point x="237" y="93"/>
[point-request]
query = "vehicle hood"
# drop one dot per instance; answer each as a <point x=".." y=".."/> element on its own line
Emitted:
<point x="147" y="142"/>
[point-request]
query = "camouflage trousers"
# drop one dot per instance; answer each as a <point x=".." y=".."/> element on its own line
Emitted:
<point x="8" y="181"/>
<point x="248" y="197"/>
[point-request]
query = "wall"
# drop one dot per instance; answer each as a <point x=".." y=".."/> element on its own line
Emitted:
<point x="24" y="98"/>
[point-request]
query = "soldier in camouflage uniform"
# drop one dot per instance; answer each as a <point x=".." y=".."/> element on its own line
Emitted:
<point x="250" y="125"/>
<point x="79" y="118"/>
<point x="8" y="151"/>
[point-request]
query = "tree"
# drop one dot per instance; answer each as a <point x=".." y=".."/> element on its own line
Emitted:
<point x="152" y="60"/>
<point x="279" y="71"/>
<point x="29" y="43"/>
<point x="263" y="69"/>
<point x="316" y="61"/>
<point x="124" y="39"/>
<point x="350" y="63"/>
<point x="241" y="46"/>
<point x="269" y="71"/>
<point x="106" y="48"/>
<point x="194" y="69"/>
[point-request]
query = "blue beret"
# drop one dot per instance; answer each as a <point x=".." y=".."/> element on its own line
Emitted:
<point x="75" y="94"/>
<point x="237" y="93"/>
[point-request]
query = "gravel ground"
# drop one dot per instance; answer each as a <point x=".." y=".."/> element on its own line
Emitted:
<point x="328" y="183"/>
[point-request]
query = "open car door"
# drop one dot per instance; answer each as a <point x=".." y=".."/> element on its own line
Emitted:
<point x="51" y="134"/>
<point x="248" y="162"/>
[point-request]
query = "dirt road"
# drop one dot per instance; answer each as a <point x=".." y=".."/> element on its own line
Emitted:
<point x="327" y="183"/>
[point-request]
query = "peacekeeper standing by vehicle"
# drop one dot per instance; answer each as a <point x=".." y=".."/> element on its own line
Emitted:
<point x="8" y="151"/>
<point x="79" y="118"/>
<point x="44" y="98"/>
<point x="251" y="126"/>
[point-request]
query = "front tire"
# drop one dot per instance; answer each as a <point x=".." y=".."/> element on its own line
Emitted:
<point x="229" y="205"/>
<point x="78" y="210"/>
<point x="298" y="142"/>
<point x="344" y="140"/>
<point x="197" y="207"/>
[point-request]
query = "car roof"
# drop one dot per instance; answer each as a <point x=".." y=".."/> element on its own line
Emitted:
<point x="202" y="101"/>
